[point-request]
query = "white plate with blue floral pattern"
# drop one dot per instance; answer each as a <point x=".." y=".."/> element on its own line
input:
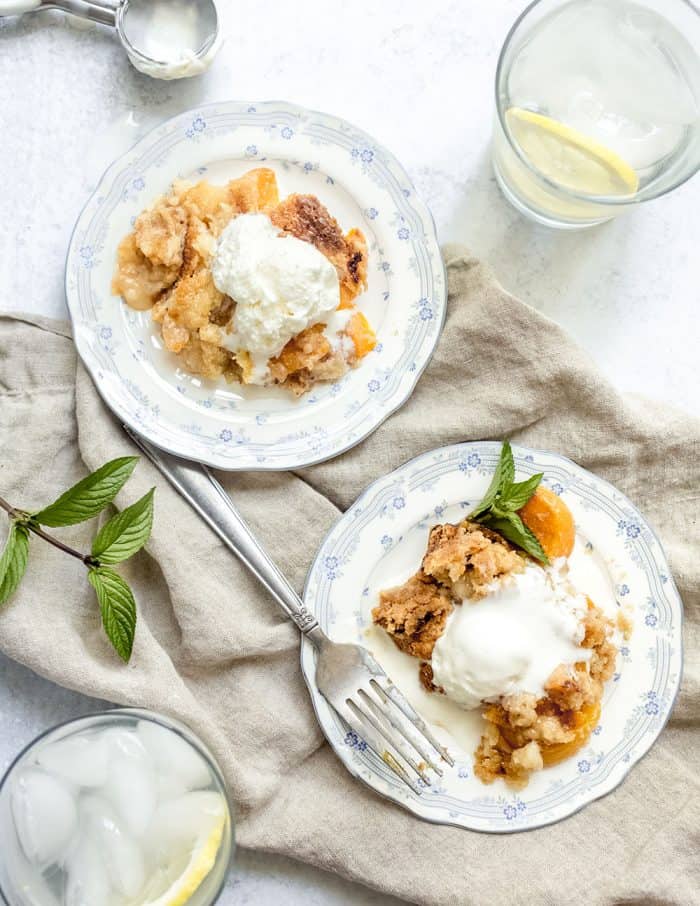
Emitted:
<point x="225" y="425"/>
<point x="618" y="561"/>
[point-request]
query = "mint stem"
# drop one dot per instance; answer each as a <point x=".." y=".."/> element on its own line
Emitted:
<point x="14" y="514"/>
<point x="19" y="514"/>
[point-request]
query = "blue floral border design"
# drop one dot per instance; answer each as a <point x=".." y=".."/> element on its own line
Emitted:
<point x="137" y="403"/>
<point x="596" y="772"/>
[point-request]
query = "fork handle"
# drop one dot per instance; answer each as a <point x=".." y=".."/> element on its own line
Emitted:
<point x="204" y="493"/>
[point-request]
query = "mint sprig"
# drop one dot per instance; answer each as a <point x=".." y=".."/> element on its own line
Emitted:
<point x="118" y="540"/>
<point x="517" y="495"/>
<point x="514" y="529"/>
<point x="499" y="508"/>
<point x="502" y="478"/>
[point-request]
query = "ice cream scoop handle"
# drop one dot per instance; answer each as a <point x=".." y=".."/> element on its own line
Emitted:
<point x="103" y="11"/>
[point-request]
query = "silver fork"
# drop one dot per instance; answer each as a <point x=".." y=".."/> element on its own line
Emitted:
<point x="348" y="677"/>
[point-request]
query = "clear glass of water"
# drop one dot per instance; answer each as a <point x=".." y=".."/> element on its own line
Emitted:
<point x="119" y="808"/>
<point x="597" y="107"/>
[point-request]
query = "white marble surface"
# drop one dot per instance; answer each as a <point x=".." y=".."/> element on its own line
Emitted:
<point x="416" y="75"/>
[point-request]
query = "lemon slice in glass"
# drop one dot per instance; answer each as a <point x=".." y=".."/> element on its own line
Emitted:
<point x="189" y="833"/>
<point x="568" y="157"/>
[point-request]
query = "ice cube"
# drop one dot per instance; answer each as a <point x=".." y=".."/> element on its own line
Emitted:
<point x="45" y="815"/>
<point x="88" y="882"/>
<point x="131" y="789"/>
<point x="179" y="822"/>
<point x="170" y="786"/>
<point x="125" y="742"/>
<point x="173" y="755"/>
<point x="25" y="876"/>
<point x="121" y="853"/>
<point x="81" y="760"/>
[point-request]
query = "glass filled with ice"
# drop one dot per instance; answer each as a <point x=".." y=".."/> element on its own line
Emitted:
<point x="597" y="107"/>
<point x="122" y="808"/>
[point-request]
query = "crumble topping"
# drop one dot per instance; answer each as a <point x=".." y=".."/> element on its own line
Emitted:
<point x="414" y="614"/>
<point x="556" y="725"/>
<point x="468" y="558"/>
<point x="523" y="733"/>
<point x="460" y="557"/>
<point x="164" y="265"/>
<point x="625" y="622"/>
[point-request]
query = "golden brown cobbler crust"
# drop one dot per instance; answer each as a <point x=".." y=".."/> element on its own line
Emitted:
<point x="468" y="558"/>
<point x="306" y="218"/>
<point x="414" y="614"/>
<point x="522" y="733"/>
<point x="522" y="729"/>
<point x="164" y="265"/>
<point x="458" y="557"/>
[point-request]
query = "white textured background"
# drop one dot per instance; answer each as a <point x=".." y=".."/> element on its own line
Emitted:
<point x="416" y="75"/>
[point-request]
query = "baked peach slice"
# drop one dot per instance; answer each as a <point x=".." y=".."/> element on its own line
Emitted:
<point x="551" y="522"/>
<point x="214" y="205"/>
<point x="353" y="276"/>
<point x="585" y="722"/>
<point x="255" y="191"/>
<point x="582" y="724"/>
<point x="304" y="350"/>
<point x="360" y="332"/>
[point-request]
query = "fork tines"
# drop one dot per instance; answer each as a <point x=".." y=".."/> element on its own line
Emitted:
<point x="392" y="729"/>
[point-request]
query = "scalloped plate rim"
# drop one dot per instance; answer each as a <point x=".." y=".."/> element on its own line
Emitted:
<point x="307" y="661"/>
<point x="183" y="449"/>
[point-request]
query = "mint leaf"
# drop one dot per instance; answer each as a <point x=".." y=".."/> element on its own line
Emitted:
<point x="507" y="464"/>
<point x="517" y="495"/>
<point x="498" y="508"/>
<point x="118" y="609"/>
<point x="502" y="478"/>
<point x="512" y="527"/>
<point x="126" y="533"/>
<point x="13" y="563"/>
<point x="90" y="496"/>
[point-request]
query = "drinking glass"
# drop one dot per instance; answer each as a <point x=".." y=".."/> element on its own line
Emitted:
<point x="123" y="797"/>
<point x="597" y="107"/>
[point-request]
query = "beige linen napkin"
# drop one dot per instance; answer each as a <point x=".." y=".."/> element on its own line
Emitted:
<point x="214" y="650"/>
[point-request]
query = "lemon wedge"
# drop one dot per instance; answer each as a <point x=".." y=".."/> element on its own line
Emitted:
<point x="568" y="157"/>
<point x="182" y="880"/>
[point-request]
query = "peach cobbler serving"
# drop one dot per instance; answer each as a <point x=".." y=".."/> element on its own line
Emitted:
<point x="247" y="286"/>
<point x="496" y="624"/>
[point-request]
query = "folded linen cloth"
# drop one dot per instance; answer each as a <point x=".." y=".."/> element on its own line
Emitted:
<point x="214" y="650"/>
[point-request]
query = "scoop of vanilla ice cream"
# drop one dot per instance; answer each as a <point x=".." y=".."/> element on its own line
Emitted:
<point x="281" y="285"/>
<point x="512" y="639"/>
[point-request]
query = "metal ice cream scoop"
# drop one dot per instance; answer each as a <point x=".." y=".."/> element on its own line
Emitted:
<point x="166" y="39"/>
